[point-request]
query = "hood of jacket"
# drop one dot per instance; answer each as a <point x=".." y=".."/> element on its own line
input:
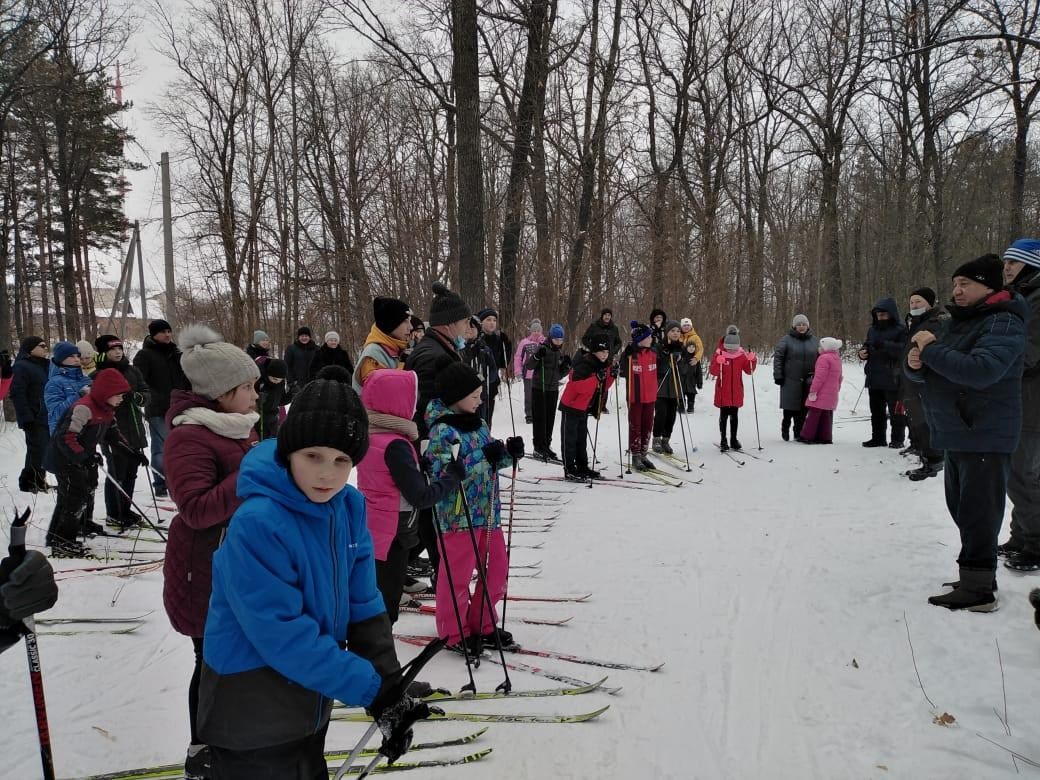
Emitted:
<point x="182" y="400"/>
<point x="793" y="332"/>
<point x="654" y="313"/>
<point x="886" y="305"/>
<point x="75" y="373"/>
<point x="263" y="475"/>
<point x="150" y="343"/>
<point x="1004" y="300"/>
<point x="391" y="392"/>
<point x="435" y="410"/>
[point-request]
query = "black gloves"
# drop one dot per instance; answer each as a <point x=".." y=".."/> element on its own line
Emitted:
<point x="395" y="712"/>
<point x="495" y="451"/>
<point x="541" y="353"/>
<point x="95" y="460"/>
<point x="615" y="370"/>
<point x="142" y="459"/>
<point x="515" y="447"/>
<point x="28" y="587"/>
<point x="1034" y="599"/>
<point x="601" y="375"/>
<point x="455" y="469"/>
<point x="778" y="381"/>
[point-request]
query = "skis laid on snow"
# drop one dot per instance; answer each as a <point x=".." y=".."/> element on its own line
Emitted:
<point x="85" y="631"/>
<point x="514" y="694"/>
<point x="429" y="609"/>
<point x="487" y="717"/>
<point x="553" y="654"/>
<point x="630" y="484"/>
<point x="656" y="474"/>
<point x="61" y="621"/>
<point x="175" y="771"/>
<point x="511" y="597"/>
<point x="731" y="455"/>
<point x="104" y="567"/>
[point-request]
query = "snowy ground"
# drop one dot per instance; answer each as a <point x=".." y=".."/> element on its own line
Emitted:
<point x="779" y="594"/>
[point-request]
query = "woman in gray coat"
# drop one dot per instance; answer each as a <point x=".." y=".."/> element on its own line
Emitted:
<point x="793" y="363"/>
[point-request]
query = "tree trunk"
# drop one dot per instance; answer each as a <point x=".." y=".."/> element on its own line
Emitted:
<point x="466" y="80"/>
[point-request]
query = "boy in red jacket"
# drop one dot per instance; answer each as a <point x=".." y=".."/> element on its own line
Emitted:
<point x="585" y="394"/>
<point x="639" y="365"/>
<point x="72" y="455"/>
<point x="729" y="362"/>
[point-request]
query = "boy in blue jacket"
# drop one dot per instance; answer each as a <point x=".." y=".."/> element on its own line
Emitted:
<point x="295" y="619"/>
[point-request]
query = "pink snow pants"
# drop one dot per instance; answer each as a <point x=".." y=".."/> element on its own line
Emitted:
<point x="458" y="554"/>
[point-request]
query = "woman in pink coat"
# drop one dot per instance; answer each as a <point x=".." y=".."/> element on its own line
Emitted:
<point x="823" y="394"/>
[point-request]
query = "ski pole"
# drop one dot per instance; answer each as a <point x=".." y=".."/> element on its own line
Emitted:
<point x="408" y="674"/>
<point x="133" y="503"/>
<point x="754" y="399"/>
<point x="509" y="535"/>
<point x="678" y="395"/>
<point x="506" y="685"/>
<point x="855" y="405"/>
<point x="16" y="549"/>
<point x="617" y="413"/>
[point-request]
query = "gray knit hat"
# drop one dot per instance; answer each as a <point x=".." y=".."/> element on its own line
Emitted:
<point x="732" y="338"/>
<point x="799" y="319"/>
<point x="447" y="307"/>
<point x="211" y="364"/>
<point x="259" y="335"/>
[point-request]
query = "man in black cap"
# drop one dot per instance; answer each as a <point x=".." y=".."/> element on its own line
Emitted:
<point x="449" y="323"/>
<point x="972" y="393"/>
<point x="924" y="315"/>
<point x="30" y="377"/>
<point x="501" y="347"/>
<point x="298" y="359"/>
<point x="159" y="361"/>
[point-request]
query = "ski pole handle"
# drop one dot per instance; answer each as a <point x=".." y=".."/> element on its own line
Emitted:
<point x="16" y="546"/>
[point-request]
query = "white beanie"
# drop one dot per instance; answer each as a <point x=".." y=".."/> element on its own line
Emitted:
<point x="213" y="366"/>
<point x="86" y="349"/>
<point x="331" y="335"/>
<point x="828" y="344"/>
<point x="685" y="322"/>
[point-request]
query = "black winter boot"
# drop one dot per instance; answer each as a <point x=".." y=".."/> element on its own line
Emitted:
<point x="974" y="592"/>
<point x="724" y="444"/>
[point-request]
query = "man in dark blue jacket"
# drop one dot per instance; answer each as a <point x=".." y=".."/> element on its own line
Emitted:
<point x="883" y="351"/>
<point x="30" y="377"/>
<point x="972" y="375"/>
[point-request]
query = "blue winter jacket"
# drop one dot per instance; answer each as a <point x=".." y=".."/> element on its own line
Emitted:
<point x="290" y="582"/>
<point x="972" y="376"/>
<point x="63" y="389"/>
<point x="884" y="344"/>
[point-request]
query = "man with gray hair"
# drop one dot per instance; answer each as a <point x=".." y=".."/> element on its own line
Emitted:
<point x="1022" y="275"/>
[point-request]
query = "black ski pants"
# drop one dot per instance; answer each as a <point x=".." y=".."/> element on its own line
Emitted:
<point x="122" y="467"/>
<point x="543" y="405"/>
<point x="732" y="414"/>
<point x="575" y="442"/>
<point x="664" y="417"/>
<point x="390" y="577"/>
<point x="36" y="439"/>
<point x="885" y="407"/>
<point x="303" y="759"/>
<point x="976" y="484"/>
<point x="76" y="485"/>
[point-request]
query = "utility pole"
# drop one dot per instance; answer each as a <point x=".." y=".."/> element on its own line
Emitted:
<point x="167" y="213"/>
<point x="143" y="314"/>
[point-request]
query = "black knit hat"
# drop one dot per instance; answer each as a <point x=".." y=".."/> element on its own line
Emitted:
<point x="600" y="344"/>
<point x="447" y="307"/>
<point x="303" y="330"/>
<point x="158" y="326"/>
<point x="326" y="413"/>
<point x="276" y="368"/>
<point x="489" y="311"/>
<point x="417" y="323"/>
<point x="927" y="293"/>
<point x="389" y="313"/>
<point x="29" y="343"/>
<point x="986" y="270"/>
<point x="104" y="343"/>
<point x="455" y="382"/>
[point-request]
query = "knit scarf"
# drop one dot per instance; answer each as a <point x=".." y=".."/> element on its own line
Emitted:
<point x="227" y="424"/>
<point x="390" y="423"/>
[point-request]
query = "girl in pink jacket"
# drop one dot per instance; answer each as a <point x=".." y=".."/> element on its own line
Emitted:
<point x="527" y="347"/>
<point x="823" y="394"/>
<point x="391" y="481"/>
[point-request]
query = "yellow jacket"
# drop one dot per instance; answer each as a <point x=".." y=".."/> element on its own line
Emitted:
<point x="693" y="338"/>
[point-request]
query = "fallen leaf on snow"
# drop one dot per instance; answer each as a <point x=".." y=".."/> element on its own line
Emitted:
<point x="102" y="732"/>
<point x="855" y="664"/>
<point x="944" y="720"/>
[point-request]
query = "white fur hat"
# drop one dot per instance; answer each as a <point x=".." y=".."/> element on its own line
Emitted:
<point x="828" y="344"/>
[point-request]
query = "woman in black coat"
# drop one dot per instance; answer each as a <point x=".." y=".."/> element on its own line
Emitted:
<point x="331" y="354"/>
<point x="793" y="362"/>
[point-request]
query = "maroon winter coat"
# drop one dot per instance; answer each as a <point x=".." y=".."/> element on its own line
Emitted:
<point x="201" y="475"/>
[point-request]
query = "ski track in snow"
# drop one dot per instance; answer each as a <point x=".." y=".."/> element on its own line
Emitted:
<point x="758" y="589"/>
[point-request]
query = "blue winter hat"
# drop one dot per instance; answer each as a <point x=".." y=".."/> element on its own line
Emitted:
<point x="640" y="331"/>
<point x="62" y="351"/>
<point x="556" y="331"/>
<point x="1025" y="250"/>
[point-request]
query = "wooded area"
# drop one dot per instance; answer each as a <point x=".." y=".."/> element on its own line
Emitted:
<point x="729" y="161"/>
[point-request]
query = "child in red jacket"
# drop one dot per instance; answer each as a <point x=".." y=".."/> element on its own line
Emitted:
<point x="729" y="362"/>
<point x="585" y="394"/>
<point x="639" y="366"/>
